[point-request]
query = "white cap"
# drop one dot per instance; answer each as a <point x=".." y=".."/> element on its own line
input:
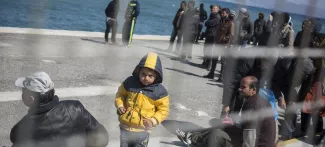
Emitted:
<point x="243" y="10"/>
<point x="39" y="82"/>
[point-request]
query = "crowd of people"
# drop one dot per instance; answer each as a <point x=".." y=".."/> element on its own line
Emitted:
<point x="252" y="86"/>
<point x="279" y="72"/>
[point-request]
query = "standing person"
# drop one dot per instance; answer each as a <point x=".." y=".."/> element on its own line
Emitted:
<point x="142" y="102"/>
<point x="245" y="28"/>
<point x="131" y="14"/>
<point x="111" y="12"/>
<point x="189" y="23"/>
<point x="259" y="28"/>
<point x="212" y="27"/>
<point x="176" y="28"/>
<point x="223" y="38"/>
<point x="203" y="17"/>
<point x="304" y="37"/>
<point x="266" y="34"/>
<point x="54" y="123"/>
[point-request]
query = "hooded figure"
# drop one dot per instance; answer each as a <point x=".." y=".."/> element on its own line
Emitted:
<point x="141" y="101"/>
<point x="244" y="27"/>
<point x="259" y="27"/>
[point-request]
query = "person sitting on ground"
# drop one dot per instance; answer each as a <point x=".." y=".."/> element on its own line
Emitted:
<point x="256" y="129"/>
<point x="54" y="123"/>
<point x="142" y="102"/>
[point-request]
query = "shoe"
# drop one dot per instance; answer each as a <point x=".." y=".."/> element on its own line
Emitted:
<point x="209" y="76"/>
<point x="183" y="137"/>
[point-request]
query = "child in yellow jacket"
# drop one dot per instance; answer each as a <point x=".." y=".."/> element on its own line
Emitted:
<point x="142" y="102"/>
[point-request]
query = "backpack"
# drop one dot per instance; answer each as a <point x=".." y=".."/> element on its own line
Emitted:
<point x="269" y="96"/>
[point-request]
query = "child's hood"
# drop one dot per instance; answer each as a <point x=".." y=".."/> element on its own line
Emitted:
<point x="151" y="61"/>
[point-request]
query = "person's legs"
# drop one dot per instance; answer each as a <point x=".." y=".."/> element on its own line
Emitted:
<point x="172" y="39"/>
<point x="186" y="45"/>
<point x="197" y="37"/>
<point x="207" y="51"/>
<point x="179" y="41"/>
<point x="190" y="47"/>
<point x="142" y="139"/>
<point x="305" y="123"/>
<point x="288" y="126"/>
<point x="108" y="27"/>
<point x="114" y="30"/>
<point x="124" y="138"/>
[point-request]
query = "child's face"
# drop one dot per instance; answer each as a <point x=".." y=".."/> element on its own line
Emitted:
<point x="147" y="76"/>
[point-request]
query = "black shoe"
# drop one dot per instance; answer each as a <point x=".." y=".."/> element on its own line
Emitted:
<point x="209" y="76"/>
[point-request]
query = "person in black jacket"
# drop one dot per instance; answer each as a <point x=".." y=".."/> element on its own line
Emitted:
<point x="176" y="27"/>
<point x="111" y="12"/>
<point x="203" y="17"/>
<point x="244" y="27"/>
<point x="259" y="27"/>
<point x="131" y="15"/>
<point x="304" y="37"/>
<point x="54" y="123"/>
<point x="212" y="27"/>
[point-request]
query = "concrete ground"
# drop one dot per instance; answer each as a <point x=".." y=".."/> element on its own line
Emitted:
<point x="89" y="70"/>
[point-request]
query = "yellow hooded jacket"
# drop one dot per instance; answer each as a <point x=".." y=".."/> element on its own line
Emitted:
<point x="150" y="102"/>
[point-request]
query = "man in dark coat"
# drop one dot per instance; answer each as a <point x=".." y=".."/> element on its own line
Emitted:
<point x="176" y="28"/>
<point x="54" y="123"/>
<point x="212" y="28"/>
<point x="111" y="12"/>
<point x="259" y="28"/>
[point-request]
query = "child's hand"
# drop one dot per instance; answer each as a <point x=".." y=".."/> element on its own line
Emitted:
<point x="147" y="123"/>
<point x="121" y="110"/>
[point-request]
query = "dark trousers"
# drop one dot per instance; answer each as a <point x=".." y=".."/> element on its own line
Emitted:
<point x="175" y="33"/>
<point x="127" y="32"/>
<point x="199" y="31"/>
<point x="187" y="45"/>
<point x="208" y="49"/>
<point x="112" y="24"/>
<point x="308" y="129"/>
<point x="214" y="65"/>
<point x="133" y="139"/>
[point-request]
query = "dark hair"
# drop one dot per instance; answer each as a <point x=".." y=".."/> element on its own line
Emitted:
<point x="226" y="10"/>
<point x="201" y="5"/>
<point x="262" y="14"/>
<point x="219" y="7"/>
<point x="46" y="97"/>
<point x="184" y="2"/>
<point x="254" y="83"/>
<point x="211" y="7"/>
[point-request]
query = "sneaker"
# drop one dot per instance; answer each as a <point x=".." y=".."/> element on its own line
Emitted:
<point x="183" y="137"/>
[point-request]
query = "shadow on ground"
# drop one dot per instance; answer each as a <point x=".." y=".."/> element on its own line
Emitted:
<point x="93" y="40"/>
<point x="175" y="143"/>
<point x="183" y="72"/>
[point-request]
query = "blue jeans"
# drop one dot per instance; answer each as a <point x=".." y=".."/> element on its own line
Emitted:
<point x="133" y="139"/>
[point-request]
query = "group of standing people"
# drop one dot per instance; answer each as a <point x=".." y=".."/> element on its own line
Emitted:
<point x="278" y="73"/>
